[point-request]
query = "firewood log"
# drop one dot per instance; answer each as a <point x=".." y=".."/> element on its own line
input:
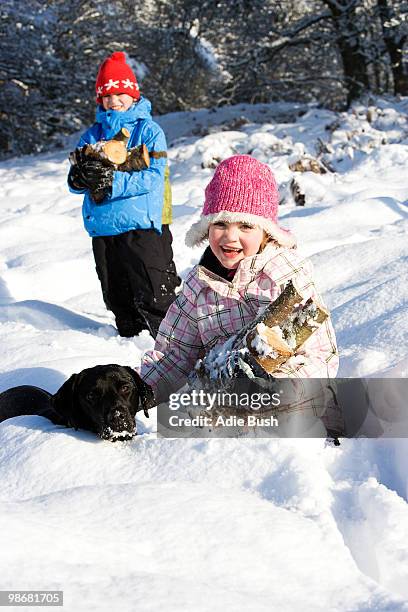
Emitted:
<point x="283" y="327"/>
<point x="137" y="158"/>
<point x="115" y="153"/>
<point x="115" y="149"/>
<point x="275" y="335"/>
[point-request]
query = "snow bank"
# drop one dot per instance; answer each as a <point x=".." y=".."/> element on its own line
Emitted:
<point x="211" y="524"/>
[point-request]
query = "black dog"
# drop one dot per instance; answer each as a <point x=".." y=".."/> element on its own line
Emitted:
<point x="103" y="399"/>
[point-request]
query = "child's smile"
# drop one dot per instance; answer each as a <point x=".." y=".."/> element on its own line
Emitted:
<point x="231" y="242"/>
<point x="230" y="252"/>
<point x="117" y="102"/>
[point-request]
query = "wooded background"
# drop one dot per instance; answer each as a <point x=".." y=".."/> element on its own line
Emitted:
<point x="189" y="54"/>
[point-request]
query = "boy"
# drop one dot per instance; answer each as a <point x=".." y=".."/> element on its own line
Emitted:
<point x="132" y="249"/>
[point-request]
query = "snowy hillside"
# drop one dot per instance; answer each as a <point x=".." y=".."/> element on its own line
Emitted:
<point x="210" y="525"/>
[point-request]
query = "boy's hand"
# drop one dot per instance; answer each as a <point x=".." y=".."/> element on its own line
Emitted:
<point x="92" y="174"/>
<point x="75" y="179"/>
<point x="96" y="175"/>
<point x="77" y="157"/>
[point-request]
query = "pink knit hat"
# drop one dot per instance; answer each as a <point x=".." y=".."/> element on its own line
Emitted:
<point x="242" y="190"/>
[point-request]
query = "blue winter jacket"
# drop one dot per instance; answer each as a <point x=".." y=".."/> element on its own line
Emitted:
<point x="136" y="201"/>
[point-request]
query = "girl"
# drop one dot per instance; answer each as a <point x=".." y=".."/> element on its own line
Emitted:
<point x="245" y="267"/>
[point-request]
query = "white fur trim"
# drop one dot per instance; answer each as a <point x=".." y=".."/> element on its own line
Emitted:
<point x="198" y="232"/>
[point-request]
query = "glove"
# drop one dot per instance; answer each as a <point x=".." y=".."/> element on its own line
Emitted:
<point x="236" y="365"/>
<point x="75" y="180"/>
<point x="92" y="174"/>
<point x="241" y="364"/>
<point x="96" y="175"/>
<point x="77" y="157"/>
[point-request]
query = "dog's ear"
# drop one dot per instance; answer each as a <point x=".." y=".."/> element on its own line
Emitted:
<point x="146" y="397"/>
<point x="65" y="399"/>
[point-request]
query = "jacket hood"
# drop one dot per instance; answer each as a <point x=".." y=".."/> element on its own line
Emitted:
<point x="112" y="121"/>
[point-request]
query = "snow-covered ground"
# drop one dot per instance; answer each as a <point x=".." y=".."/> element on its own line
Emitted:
<point x="207" y="525"/>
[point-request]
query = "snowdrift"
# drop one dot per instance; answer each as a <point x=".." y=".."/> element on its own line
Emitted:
<point x="204" y="525"/>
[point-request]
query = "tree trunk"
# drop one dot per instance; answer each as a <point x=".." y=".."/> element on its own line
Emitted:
<point x="395" y="44"/>
<point x="350" y="44"/>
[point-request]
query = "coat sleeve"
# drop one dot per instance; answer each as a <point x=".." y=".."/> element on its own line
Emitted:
<point x="177" y="349"/>
<point x="318" y="356"/>
<point x="130" y="184"/>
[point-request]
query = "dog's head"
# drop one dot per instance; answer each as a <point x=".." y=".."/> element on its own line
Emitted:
<point x="104" y="399"/>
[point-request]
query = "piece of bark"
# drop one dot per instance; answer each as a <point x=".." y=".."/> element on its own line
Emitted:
<point x="122" y="136"/>
<point x="282" y="307"/>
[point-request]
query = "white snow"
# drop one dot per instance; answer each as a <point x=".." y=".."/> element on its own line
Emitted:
<point x="219" y="524"/>
<point x="260" y="343"/>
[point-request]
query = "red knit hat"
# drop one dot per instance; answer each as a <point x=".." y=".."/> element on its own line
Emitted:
<point x="242" y="190"/>
<point x="115" y="76"/>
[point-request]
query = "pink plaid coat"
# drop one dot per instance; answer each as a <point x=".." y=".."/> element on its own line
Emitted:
<point x="209" y="310"/>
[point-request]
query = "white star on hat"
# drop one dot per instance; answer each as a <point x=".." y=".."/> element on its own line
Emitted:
<point x="111" y="84"/>
<point x="127" y="83"/>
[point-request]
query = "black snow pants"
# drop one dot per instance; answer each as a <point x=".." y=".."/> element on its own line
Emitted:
<point x="138" y="277"/>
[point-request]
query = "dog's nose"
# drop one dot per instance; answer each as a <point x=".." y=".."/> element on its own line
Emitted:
<point x="118" y="420"/>
<point x="119" y="424"/>
<point x="117" y="415"/>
